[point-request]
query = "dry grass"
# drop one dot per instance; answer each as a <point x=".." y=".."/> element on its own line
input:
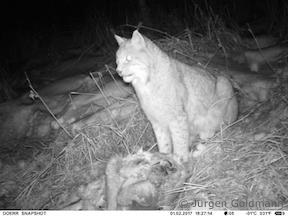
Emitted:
<point x="245" y="162"/>
<point x="241" y="166"/>
<point x="66" y="166"/>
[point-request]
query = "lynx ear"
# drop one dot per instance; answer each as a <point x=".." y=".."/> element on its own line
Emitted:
<point x="137" y="39"/>
<point x="119" y="39"/>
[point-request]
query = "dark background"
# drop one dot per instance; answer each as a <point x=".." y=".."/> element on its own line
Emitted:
<point x="30" y="28"/>
<point x="34" y="15"/>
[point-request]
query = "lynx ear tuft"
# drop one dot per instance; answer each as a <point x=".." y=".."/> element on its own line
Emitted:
<point x="137" y="39"/>
<point x="119" y="39"/>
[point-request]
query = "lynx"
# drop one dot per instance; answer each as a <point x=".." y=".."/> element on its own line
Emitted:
<point x="180" y="101"/>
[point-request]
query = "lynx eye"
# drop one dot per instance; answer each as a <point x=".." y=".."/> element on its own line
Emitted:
<point x="128" y="58"/>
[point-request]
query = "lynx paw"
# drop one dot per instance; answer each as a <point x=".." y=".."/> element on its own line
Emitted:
<point x="181" y="159"/>
<point x="207" y="134"/>
<point x="199" y="150"/>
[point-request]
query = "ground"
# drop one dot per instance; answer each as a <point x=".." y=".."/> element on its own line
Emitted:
<point x="244" y="164"/>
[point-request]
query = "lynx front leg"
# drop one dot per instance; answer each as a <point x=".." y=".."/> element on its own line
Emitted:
<point x="163" y="139"/>
<point x="180" y="137"/>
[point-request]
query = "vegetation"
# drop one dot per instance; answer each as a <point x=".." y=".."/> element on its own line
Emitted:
<point x="246" y="161"/>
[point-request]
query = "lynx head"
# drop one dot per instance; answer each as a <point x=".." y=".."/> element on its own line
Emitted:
<point x="135" y="57"/>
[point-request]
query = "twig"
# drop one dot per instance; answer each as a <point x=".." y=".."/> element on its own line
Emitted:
<point x="108" y="110"/>
<point x="110" y="73"/>
<point x="28" y="189"/>
<point x="100" y="89"/>
<point x="210" y="59"/>
<point x="45" y="105"/>
<point x="259" y="48"/>
<point x="143" y="132"/>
